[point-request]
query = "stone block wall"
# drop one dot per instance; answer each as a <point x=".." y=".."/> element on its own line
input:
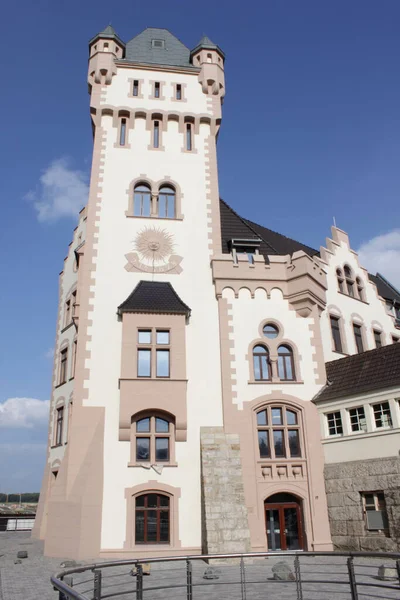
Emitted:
<point x="344" y="483"/>
<point x="224" y="512"/>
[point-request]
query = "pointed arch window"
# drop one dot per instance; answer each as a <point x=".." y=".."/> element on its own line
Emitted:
<point x="285" y="363"/>
<point x="261" y="363"/>
<point x="349" y="281"/>
<point x="340" y="280"/>
<point x="278" y="431"/>
<point x="360" y="288"/>
<point x="142" y="201"/>
<point x="166" y="202"/>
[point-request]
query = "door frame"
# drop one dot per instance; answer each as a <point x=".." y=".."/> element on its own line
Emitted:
<point x="280" y="506"/>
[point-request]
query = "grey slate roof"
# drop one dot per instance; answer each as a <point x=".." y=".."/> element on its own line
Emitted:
<point x="372" y="370"/>
<point x="154" y="297"/>
<point x="385" y="289"/>
<point x="139" y="49"/>
<point x="109" y="30"/>
<point x="109" y="33"/>
<point x="205" y="42"/>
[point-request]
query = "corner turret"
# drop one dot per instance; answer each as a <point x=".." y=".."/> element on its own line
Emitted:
<point x="104" y="48"/>
<point x="210" y="58"/>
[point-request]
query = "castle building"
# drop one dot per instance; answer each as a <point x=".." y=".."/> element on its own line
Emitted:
<point x="191" y="342"/>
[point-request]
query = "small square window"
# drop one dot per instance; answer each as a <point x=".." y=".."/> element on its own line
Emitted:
<point x="163" y="337"/>
<point x="144" y="336"/>
<point x="158" y="43"/>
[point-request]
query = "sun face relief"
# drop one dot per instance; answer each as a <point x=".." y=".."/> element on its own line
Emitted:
<point x="154" y="252"/>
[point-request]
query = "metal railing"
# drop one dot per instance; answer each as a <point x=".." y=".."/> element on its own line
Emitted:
<point x="285" y="575"/>
<point x="17" y="522"/>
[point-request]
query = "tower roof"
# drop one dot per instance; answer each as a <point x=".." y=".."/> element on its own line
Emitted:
<point x="154" y="297"/>
<point x="110" y="33"/>
<point x="156" y="46"/>
<point x="206" y="43"/>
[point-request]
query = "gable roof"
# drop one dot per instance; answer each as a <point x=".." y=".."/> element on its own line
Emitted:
<point x="140" y="49"/>
<point x="154" y="297"/>
<point x="361" y="373"/>
<point x="385" y="288"/>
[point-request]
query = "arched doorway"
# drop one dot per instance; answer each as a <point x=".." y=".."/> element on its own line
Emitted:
<point x="284" y="522"/>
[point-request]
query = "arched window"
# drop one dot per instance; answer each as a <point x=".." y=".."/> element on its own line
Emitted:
<point x="166" y="202"/>
<point x="261" y="363"/>
<point x="360" y="288"/>
<point x="285" y="363"/>
<point x="349" y="281"/>
<point x="142" y="201"/>
<point x="278" y="432"/>
<point x="153" y="439"/>
<point x="340" y="281"/>
<point x="152" y="519"/>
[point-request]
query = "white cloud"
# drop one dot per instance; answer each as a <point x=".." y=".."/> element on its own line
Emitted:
<point x="381" y="254"/>
<point x="24" y="413"/>
<point x="62" y="192"/>
<point x="49" y="353"/>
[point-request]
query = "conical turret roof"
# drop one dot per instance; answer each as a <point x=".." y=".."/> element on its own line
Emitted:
<point x="208" y="44"/>
<point x="109" y="33"/>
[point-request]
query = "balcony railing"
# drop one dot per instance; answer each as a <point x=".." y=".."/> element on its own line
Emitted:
<point x="262" y="575"/>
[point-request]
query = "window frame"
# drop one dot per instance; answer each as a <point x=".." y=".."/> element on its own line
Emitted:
<point x="377" y="508"/>
<point x="141" y="199"/>
<point x="337" y="423"/>
<point x="152" y="434"/>
<point x="153" y="347"/>
<point x="157" y="90"/>
<point x="63" y="372"/>
<point x="336" y="333"/>
<point x="146" y="509"/>
<point x="357" y="418"/>
<point x="358" y="337"/>
<point x="178" y="92"/>
<point x="377" y="337"/>
<point x="379" y="413"/>
<point x="123" y="130"/>
<point x="257" y="355"/>
<point x="289" y="355"/>
<point x="59" y="425"/>
<point x="283" y="427"/>
<point x="170" y="199"/>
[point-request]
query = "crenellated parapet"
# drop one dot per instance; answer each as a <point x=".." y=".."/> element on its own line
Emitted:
<point x="300" y="277"/>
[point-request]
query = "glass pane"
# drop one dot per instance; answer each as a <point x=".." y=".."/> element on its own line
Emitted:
<point x="139" y="529"/>
<point x="262" y="418"/>
<point x="281" y="367"/>
<point x="162" y="337"/>
<point x="146" y="204"/>
<point x="142" y="188"/>
<point x="270" y="331"/>
<point x="162" y="426"/>
<point x="152" y="526"/>
<point x="142" y="449"/>
<point x="144" y="363"/>
<point x="140" y="500"/>
<point x="164" y="526"/>
<point x="369" y="501"/>
<point x="137" y="205"/>
<point x="263" y="444"/>
<point x="264" y="368"/>
<point x="162" y="206"/>
<point x="273" y="530"/>
<point x="294" y="442"/>
<point x="279" y="443"/>
<point x="276" y="416"/>
<point x="171" y="207"/>
<point x="164" y="501"/>
<point x="162" y="449"/>
<point x="257" y="368"/>
<point x="291" y="529"/>
<point x="143" y="425"/>
<point x="152" y="500"/>
<point x="259" y="350"/>
<point x="156" y="135"/>
<point x="162" y="363"/>
<point x="284" y="350"/>
<point x="122" y="135"/>
<point x="144" y="336"/>
<point x="291" y="417"/>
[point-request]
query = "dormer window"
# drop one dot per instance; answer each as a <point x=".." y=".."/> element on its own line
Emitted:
<point x="247" y="247"/>
<point x="160" y="44"/>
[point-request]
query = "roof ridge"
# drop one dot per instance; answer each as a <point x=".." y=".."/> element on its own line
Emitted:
<point x="247" y="225"/>
<point x="281" y="234"/>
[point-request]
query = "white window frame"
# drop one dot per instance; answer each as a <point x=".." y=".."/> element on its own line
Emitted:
<point x="333" y="413"/>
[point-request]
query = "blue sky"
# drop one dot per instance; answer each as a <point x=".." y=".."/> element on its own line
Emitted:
<point x="311" y="130"/>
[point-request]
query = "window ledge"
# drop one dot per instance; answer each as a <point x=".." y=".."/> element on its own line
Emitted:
<point x="177" y="218"/>
<point x="60" y="384"/>
<point x="276" y="382"/>
<point x="341" y="353"/>
<point x="66" y="327"/>
<point x="267" y="461"/>
<point x="148" y="466"/>
<point x="56" y="446"/>
<point x="352" y="297"/>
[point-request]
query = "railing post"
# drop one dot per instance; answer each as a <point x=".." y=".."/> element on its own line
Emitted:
<point x="97" y="584"/>
<point x="242" y="579"/>
<point x="68" y="581"/>
<point x="139" y="582"/>
<point x="189" y="584"/>
<point x="299" y="587"/>
<point x="352" y="579"/>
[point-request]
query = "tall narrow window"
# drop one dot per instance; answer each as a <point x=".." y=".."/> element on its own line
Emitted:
<point x="162" y="363"/>
<point x="335" y="328"/>
<point x="188" y="136"/>
<point x="360" y="288"/>
<point x="156" y="347"/>
<point x="142" y="201"/>
<point x="74" y="349"/>
<point x="349" y="281"/>
<point x="377" y="338"/>
<point x="152" y="519"/>
<point x="285" y="363"/>
<point x="122" y="133"/>
<point x="340" y="280"/>
<point x="278" y="432"/>
<point x="73" y="304"/>
<point x="144" y="362"/>
<point x="156" y="134"/>
<point x="166" y="202"/>
<point x="358" y="338"/>
<point x="178" y="94"/>
<point x="63" y="365"/>
<point x="157" y="89"/>
<point x="261" y="364"/>
<point x="135" y="90"/>
<point x="67" y="319"/>
<point x="59" y="425"/>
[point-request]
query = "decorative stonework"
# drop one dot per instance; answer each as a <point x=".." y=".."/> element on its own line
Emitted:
<point x="154" y="252"/>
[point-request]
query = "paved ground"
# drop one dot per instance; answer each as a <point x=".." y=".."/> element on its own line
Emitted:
<point x="30" y="580"/>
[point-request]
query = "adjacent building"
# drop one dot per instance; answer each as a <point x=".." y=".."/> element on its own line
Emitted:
<point x="191" y="341"/>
